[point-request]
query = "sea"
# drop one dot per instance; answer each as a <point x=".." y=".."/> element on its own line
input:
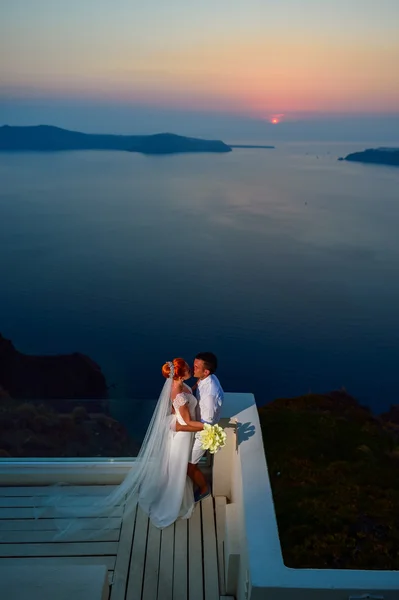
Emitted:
<point x="284" y="262"/>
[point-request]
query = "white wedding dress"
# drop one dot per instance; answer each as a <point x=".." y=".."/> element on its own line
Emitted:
<point x="174" y="497"/>
<point x="157" y="481"/>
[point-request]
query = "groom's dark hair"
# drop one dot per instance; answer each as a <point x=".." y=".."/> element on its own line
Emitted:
<point x="210" y="360"/>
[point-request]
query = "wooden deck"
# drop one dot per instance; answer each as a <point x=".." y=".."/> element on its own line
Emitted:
<point x="182" y="562"/>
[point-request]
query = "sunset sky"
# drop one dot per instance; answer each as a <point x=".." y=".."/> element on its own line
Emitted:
<point x="263" y="59"/>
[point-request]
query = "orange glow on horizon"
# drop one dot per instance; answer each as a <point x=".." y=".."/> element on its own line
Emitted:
<point x="315" y="75"/>
<point x="255" y="59"/>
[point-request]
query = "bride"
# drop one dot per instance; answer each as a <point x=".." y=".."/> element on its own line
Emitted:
<point x="158" y="480"/>
<point x="172" y="497"/>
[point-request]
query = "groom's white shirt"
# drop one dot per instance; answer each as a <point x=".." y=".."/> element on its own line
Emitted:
<point x="210" y="398"/>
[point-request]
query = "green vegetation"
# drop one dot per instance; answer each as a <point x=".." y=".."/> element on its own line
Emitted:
<point x="334" y="471"/>
<point x="27" y="430"/>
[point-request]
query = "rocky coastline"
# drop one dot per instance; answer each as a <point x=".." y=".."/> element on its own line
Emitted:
<point x="56" y="406"/>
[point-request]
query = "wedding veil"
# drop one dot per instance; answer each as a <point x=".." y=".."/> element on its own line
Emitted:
<point x="141" y="485"/>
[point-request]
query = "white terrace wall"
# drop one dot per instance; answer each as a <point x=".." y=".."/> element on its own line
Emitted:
<point x="252" y="547"/>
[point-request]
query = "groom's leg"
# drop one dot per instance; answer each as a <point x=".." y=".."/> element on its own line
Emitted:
<point x="197" y="477"/>
<point x="193" y="471"/>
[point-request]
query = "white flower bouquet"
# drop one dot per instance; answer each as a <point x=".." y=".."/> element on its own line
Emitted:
<point x="212" y="437"/>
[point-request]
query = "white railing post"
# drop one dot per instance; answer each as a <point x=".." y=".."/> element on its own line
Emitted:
<point x="223" y="462"/>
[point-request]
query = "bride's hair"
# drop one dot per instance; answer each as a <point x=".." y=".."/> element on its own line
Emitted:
<point x="179" y="365"/>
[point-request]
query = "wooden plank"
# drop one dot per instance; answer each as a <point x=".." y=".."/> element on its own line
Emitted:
<point x="211" y="575"/>
<point x="165" y="579"/>
<point x="52" y="525"/>
<point x="231" y="549"/>
<point x="43" y="501"/>
<point x="109" y="561"/>
<point x="80" y="582"/>
<point x="33" y="537"/>
<point x="59" y="549"/>
<point x="68" y="490"/>
<point x="195" y="573"/>
<point x="50" y="512"/>
<point x="151" y="572"/>
<point x="220" y="513"/>
<point x="123" y="557"/>
<point x="136" y="570"/>
<point x="180" y="572"/>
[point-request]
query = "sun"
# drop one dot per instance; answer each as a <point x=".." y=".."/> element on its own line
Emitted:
<point x="276" y="119"/>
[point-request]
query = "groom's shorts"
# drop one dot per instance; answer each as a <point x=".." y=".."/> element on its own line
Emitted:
<point x="197" y="452"/>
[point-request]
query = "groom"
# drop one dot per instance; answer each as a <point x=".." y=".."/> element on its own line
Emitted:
<point x="210" y="397"/>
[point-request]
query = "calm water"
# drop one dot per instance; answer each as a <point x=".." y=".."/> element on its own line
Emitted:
<point x="284" y="262"/>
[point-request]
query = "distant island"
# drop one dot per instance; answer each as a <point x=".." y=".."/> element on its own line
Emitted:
<point x="46" y="138"/>
<point x="378" y="156"/>
<point x="251" y="146"/>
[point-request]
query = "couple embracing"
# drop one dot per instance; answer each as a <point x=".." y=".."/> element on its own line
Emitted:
<point x="162" y="477"/>
<point x="176" y="496"/>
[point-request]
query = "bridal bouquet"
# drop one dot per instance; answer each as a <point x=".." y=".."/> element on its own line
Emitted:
<point x="212" y="438"/>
